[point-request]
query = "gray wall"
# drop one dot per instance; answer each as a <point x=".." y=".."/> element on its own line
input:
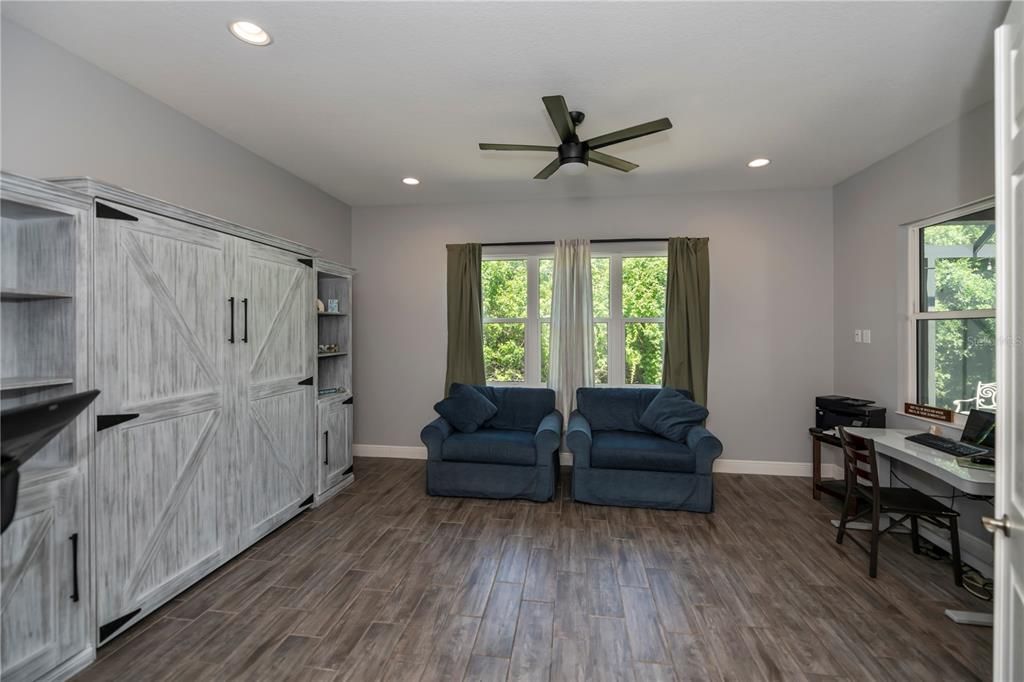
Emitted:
<point x="949" y="167"/>
<point x="771" y="303"/>
<point x="62" y="116"/>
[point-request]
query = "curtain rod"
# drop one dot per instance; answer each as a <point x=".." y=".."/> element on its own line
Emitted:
<point x="592" y="241"/>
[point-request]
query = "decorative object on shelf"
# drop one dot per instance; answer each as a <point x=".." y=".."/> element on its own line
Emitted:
<point x="320" y="306"/>
<point x="328" y="391"/>
<point x="327" y="348"/>
<point x="332" y="305"/>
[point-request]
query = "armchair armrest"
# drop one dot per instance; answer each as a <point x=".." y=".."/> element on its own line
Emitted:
<point x="549" y="435"/>
<point x="579" y="439"/>
<point x="433" y="434"/>
<point x="705" y="445"/>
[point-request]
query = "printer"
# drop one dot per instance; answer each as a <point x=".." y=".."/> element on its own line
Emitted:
<point x="840" y="410"/>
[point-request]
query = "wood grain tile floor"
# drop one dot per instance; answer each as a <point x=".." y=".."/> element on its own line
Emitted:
<point x="386" y="583"/>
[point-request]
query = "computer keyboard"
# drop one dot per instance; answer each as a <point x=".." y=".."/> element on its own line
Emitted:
<point x="946" y="445"/>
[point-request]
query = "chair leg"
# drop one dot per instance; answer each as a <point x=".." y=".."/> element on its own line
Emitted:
<point x="843" y="517"/>
<point x="954" y="546"/>
<point x="873" y="567"/>
<point x="914" y="537"/>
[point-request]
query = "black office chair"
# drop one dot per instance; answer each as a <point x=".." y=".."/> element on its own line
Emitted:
<point x="860" y="466"/>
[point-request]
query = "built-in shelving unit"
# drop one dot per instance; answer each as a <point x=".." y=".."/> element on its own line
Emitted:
<point x="334" y="330"/>
<point x="41" y="231"/>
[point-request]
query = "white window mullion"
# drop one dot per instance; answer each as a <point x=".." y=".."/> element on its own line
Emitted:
<point x="532" y="322"/>
<point x="616" y="330"/>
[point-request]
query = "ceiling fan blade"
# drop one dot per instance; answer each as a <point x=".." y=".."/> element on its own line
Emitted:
<point x="517" y="147"/>
<point x="548" y="171"/>
<point x="559" y="113"/>
<point x="611" y="161"/>
<point x="629" y="133"/>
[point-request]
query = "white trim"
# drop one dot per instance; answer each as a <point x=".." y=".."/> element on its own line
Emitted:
<point x="722" y="466"/>
<point x="954" y="213"/>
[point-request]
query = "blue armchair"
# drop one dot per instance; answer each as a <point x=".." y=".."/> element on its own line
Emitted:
<point x="618" y="462"/>
<point x="514" y="455"/>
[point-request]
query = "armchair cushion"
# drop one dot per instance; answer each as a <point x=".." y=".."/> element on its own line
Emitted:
<point x="672" y="415"/>
<point x="640" y="451"/>
<point x="519" y="409"/>
<point x="465" y="409"/>
<point x="491" y="446"/>
<point x="617" y="409"/>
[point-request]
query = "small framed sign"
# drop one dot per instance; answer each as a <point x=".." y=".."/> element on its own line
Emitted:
<point x="928" y="412"/>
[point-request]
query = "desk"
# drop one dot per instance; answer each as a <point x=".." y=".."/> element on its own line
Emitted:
<point x="892" y="444"/>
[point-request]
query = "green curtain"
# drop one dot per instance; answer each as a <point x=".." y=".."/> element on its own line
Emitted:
<point x="686" y="317"/>
<point x="465" y="317"/>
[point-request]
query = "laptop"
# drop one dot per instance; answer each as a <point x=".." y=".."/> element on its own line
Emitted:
<point x="24" y="431"/>
<point x="980" y="431"/>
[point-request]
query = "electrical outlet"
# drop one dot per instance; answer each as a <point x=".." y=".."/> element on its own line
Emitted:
<point x="866" y="336"/>
<point x="857" y="336"/>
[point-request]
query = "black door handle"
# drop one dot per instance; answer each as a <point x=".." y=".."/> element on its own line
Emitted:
<point x="74" y="567"/>
<point x="327" y="444"/>
<point x="231" y="302"/>
<point x="245" y="320"/>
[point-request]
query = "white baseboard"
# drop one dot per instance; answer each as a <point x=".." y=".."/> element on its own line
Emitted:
<point x="722" y="466"/>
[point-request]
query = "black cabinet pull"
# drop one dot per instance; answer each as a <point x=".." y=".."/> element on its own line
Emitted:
<point x="245" y="320"/>
<point x="231" y="302"/>
<point x="74" y="567"/>
<point x="327" y="444"/>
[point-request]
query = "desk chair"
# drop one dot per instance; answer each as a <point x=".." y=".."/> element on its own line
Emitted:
<point x="860" y="467"/>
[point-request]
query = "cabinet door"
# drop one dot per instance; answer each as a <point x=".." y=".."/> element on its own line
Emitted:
<point x="162" y="327"/>
<point x="44" y="585"/>
<point x="335" y="447"/>
<point x="277" y="417"/>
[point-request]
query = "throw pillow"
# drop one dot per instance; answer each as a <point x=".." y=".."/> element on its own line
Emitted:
<point x="465" y="408"/>
<point x="671" y="415"/>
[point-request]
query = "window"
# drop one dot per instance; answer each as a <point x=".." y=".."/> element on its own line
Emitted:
<point x="629" y="318"/>
<point x="504" y="285"/>
<point x="954" y="312"/>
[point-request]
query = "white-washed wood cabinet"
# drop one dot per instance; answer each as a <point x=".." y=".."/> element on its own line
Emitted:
<point x="334" y="378"/>
<point x="335" y="446"/>
<point x="42" y="567"/>
<point x="205" y="359"/>
<point x="45" y="579"/>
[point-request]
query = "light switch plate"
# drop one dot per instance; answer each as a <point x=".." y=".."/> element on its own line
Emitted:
<point x="857" y="336"/>
<point x="866" y="336"/>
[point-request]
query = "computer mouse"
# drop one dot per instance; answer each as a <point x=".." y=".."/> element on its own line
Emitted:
<point x="986" y="460"/>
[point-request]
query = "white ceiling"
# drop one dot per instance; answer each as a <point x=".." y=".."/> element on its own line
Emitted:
<point x="354" y="96"/>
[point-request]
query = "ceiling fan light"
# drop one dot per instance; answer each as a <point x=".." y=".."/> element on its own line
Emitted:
<point x="574" y="168"/>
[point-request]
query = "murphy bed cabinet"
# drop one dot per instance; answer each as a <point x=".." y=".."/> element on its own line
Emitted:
<point x="45" y="583"/>
<point x="334" y="377"/>
<point x="201" y="336"/>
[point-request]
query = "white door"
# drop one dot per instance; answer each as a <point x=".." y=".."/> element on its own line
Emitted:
<point x="335" y="446"/>
<point x="1008" y="524"/>
<point x="161" y="334"/>
<point x="276" y="418"/>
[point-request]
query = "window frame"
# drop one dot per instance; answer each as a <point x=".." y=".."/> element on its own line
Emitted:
<point x="914" y="313"/>
<point x="533" y="254"/>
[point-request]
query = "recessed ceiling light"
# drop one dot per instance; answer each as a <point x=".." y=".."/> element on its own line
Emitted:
<point x="759" y="163"/>
<point x="410" y="181"/>
<point x="250" y="33"/>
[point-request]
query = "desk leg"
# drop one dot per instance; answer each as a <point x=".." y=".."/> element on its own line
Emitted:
<point x="815" y="467"/>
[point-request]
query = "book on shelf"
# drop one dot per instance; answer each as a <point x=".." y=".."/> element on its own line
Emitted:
<point x="328" y="391"/>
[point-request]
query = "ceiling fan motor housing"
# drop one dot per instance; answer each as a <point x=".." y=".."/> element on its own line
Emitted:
<point x="574" y="152"/>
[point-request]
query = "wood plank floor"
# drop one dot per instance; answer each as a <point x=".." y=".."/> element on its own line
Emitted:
<point x="384" y="582"/>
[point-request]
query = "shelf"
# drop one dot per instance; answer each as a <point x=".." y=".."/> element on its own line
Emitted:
<point x="330" y="355"/>
<point x="32" y="295"/>
<point x="21" y="383"/>
<point x="332" y="314"/>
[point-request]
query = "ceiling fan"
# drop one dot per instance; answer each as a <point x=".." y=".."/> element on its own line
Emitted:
<point x="572" y="153"/>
